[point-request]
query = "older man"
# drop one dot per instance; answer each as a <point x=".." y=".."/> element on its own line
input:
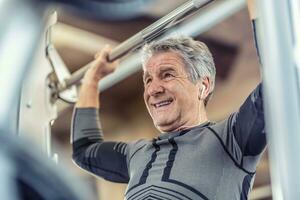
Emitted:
<point x="193" y="158"/>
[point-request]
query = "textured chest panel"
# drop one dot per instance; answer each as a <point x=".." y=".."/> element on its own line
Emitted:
<point x="193" y="164"/>
<point x="199" y="158"/>
<point x="140" y="161"/>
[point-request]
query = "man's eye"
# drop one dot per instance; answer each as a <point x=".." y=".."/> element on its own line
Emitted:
<point x="147" y="81"/>
<point x="168" y="75"/>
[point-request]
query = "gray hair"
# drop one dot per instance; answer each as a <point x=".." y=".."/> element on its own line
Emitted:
<point x="198" y="60"/>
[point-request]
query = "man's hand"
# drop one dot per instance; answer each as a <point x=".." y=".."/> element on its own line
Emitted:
<point x="89" y="94"/>
<point x="252" y="9"/>
<point x="100" y="67"/>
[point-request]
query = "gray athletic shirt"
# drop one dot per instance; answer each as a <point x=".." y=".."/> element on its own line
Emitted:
<point x="209" y="161"/>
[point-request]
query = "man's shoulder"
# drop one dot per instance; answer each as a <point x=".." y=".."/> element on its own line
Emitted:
<point x="137" y="144"/>
<point x="220" y="124"/>
<point x="220" y="127"/>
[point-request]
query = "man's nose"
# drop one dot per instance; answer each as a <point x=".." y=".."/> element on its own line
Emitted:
<point x="155" y="88"/>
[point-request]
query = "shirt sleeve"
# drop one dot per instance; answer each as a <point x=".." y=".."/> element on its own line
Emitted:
<point x="105" y="159"/>
<point x="242" y="134"/>
<point x="248" y="124"/>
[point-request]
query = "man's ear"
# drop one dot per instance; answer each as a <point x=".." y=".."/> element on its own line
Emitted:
<point x="203" y="88"/>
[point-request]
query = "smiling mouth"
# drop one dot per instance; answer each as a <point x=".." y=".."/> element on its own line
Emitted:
<point x="162" y="103"/>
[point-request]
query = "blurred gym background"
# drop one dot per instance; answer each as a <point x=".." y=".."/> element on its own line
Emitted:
<point x="123" y="114"/>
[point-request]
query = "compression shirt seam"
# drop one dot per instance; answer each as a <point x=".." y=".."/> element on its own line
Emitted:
<point x="240" y="147"/>
<point x="135" y="152"/>
<point x="231" y="157"/>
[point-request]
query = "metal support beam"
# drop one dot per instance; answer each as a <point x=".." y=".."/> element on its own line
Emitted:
<point x="8" y="188"/>
<point x="281" y="96"/>
<point x="19" y="35"/>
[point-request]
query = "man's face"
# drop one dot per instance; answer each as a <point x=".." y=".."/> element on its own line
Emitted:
<point x="171" y="98"/>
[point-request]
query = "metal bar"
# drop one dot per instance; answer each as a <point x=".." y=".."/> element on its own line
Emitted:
<point x="281" y="96"/>
<point x="197" y="24"/>
<point x="149" y="33"/>
<point x="209" y="17"/>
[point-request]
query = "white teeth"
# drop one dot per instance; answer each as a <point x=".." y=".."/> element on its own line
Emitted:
<point x="163" y="103"/>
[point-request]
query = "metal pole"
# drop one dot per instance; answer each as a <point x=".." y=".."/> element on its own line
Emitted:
<point x="8" y="189"/>
<point x="19" y="35"/>
<point x="295" y="7"/>
<point x="281" y="96"/>
<point x="149" y="33"/>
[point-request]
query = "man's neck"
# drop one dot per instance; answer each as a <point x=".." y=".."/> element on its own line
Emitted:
<point x="201" y="119"/>
<point x="191" y="126"/>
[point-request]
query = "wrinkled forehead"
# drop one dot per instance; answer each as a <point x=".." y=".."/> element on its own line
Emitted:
<point x="162" y="60"/>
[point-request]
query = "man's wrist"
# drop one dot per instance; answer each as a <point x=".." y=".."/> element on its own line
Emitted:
<point x="252" y="9"/>
<point x="89" y="95"/>
<point x="90" y="84"/>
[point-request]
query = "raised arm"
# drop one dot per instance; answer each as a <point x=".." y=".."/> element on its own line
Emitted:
<point x="90" y="152"/>
<point x="244" y="133"/>
<point x="89" y="93"/>
<point x="248" y="125"/>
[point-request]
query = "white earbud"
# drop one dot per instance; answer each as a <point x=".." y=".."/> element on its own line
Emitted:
<point x="202" y="92"/>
